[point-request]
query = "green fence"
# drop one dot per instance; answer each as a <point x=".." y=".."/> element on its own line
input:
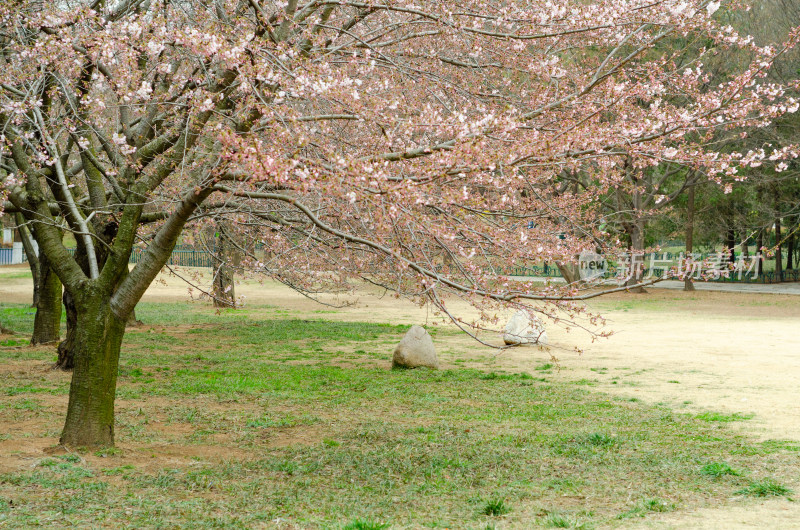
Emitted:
<point x="189" y="257"/>
<point x="180" y="256"/>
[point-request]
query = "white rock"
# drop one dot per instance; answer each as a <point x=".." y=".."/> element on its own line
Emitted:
<point x="524" y="329"/>
<point x="415" y="349"/>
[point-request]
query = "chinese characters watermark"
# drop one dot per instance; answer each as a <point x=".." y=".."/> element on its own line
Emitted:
<point x="693" y="266"/>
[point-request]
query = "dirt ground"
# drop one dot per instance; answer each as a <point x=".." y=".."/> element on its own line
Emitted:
<point x="694" y="352"/>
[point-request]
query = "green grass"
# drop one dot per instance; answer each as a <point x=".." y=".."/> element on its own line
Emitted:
<point x="555" y="520"/>
<point x="718" y="469"/>
<point x="765" y="488"/>
<point x="724" y="418"/>
<point x="646" y="506"/>
<point x="496" y="507"/>
<point x="365" y="525"/>
<point x="243" y="418"/>
<point x="15" y="275"/>
<point x="601" y="439"/>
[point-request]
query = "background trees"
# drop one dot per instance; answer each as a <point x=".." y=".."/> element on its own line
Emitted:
<point x="759" y="201"/>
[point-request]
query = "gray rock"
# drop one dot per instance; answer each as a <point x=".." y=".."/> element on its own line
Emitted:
<point x="523" y="328"/>
<point x="415" y="349"/>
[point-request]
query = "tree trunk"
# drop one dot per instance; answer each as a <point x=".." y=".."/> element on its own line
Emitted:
<point x="30" y="252"/>
<point x="636" y="232"/>
<point x="688" y="285"/>
<point x="223" y="289"/>
<point x="778" y="257"/>
<point x="759" y="246"/>
<point x="33" y="263"/>
<point x="569" y="272"/>
<point x="66" y="348"/>
<point x="730" y="243"/>
<point x="46" y="290"/>
<point x="133" y="322"/>
<point x="790" y="251"/>
<point x="97" y="341"/>
<point x="47" y="322"/>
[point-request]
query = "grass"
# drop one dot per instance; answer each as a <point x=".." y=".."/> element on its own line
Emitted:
<point x="765" y="488"/>
<point x="556" y="520"/>
<point x="724" y="418"/>
<point x="601" y="439"/>
<point x="365" y="525"/>
<point x="496" y="507"/>
<point x="244" y="418"/>
<point x="646" y="506"/>
<point x="718" y="469"/>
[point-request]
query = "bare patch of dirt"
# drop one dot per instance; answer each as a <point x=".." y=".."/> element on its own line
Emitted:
<point x="293" y="436"/>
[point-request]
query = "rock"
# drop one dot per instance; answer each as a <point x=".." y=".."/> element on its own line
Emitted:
<point x="415" y="349"/>
<point x="524" y="329"/>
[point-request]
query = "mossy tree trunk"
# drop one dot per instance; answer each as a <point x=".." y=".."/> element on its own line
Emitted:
<point x="46" y="290"/>
<point x="97" y="340"/>
<point x="31" y="254"/>
<point x="47" y="322"/>
<point x="66" y="348"/>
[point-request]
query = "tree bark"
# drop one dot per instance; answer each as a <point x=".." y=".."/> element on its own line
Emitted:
<point x="46" y="290"/>
<point x="688" y="284"/>
<point x="778" y="250"/>
<point x="790" y="251"/>
<point x="636" y="233"/>
<point x="47" y="322"/>
<point x="730" y="243"/>
<point x="97" y="340"/>
<point x="569" y="272"/>
<point x="223" y="284"/>
<point x="66" y="348"/>
<point x="32" y="255"/>
<point x="133" y="322"/>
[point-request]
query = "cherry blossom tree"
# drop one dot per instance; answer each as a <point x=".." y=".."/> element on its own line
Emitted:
<point x="414" y="146"/>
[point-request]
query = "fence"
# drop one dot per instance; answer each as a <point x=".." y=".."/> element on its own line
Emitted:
<point x="180" y="256"/>
<point x="188" y="257"/>
<point x="13" y="256"/>
<point x="763" y="276"/>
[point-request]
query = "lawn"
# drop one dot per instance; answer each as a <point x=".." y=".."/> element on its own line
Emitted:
<point x="264" y="417"/>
